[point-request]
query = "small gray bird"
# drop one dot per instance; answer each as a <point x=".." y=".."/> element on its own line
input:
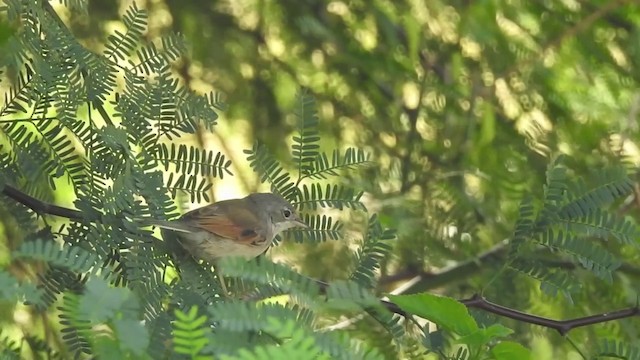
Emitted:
<point x="239" y="227"/>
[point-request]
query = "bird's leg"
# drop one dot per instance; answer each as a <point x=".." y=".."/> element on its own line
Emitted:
<point x="221" y="279"/>
<point x="224" y="286"/>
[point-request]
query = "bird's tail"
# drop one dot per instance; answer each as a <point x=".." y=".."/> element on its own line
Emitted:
<point x="166" y="224"/>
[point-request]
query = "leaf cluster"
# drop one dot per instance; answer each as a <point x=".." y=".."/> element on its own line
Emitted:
<point x="107" y="124"/>
<point x="574" y="225"/>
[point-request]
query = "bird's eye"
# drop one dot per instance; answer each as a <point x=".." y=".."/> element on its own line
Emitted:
<point x="286" y="213"/>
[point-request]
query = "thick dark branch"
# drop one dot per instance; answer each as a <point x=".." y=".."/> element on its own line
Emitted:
<point x="562" y="326"/>
<point x="39" y="206"/>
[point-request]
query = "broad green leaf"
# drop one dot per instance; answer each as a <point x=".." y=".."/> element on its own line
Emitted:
<point x="508" y="350"/>
<point x="483" y="336"/>
<point x="446" y="312"/>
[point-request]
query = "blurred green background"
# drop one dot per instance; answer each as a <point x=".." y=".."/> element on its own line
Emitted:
<point x="461" y="103"/>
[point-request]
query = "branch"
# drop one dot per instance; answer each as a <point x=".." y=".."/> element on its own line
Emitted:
<point x="562" y="326"/>
<point x="41" y="207"/>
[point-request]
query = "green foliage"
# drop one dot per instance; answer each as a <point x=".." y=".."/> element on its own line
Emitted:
<point x="273" y="274"/>
<point x="333" y="196"/>
<point x="374" y="250"/>
<point x="322" y="168"/>
<point x="508" y="350"/>
<point x="461" y="106"/>
<point x="105" y="275"/>
<point x="275" y="319"/>
<point x="305" y="146"/>
<point x="441" y="310"/>
<point x="187" y="160"/>
<point x="73" y="258"/>
<point x="75" y="330"/>
<point x="269" y="169"/>
<point x="119" y="45"/>
<point x="571" y="223"/>
<point x="311" y="163"/>
<point x="188" y="333"/>
<point x="55" y="281"/>
<point x="14" y="291"/>
<point x="10" y="350"/>
<point x="454" y="317"/>
<point x="612" y="348"/>
<point x="297" y="347"/>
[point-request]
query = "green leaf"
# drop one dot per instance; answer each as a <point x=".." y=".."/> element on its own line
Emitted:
<point x="617" y="349"/>
<point x="508" y="350"/>
<point x="445" y="312"/>
<point x="132" y="335"/>
<point x="101" y="302"/>
<point x="299" y="345"/>
<point x="74" y="257"/>
<point x="305" y="145"/>
<point x="8" y="286"/>
<point x="107" y="347"/>
<point x="484" y="336"/>
<point x="189" y="332"/>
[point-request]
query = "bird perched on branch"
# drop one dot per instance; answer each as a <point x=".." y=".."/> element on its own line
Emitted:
<point x="239" y="227"/>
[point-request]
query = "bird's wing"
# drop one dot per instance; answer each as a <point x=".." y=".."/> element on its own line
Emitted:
<point x="167" y="224"/>
<point x="223" y="221"/>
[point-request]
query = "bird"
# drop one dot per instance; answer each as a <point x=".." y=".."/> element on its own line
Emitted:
<point x="236" y="227"/>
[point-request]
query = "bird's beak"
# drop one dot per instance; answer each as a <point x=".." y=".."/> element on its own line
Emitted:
<point x="301" y="223"/>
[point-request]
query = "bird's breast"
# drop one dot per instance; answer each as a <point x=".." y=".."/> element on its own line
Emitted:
<point x="208" y="246"/>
